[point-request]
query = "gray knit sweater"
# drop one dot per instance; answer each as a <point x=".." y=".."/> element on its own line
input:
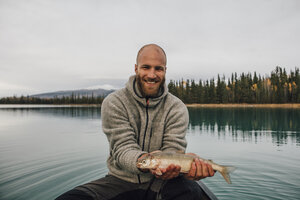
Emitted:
<point x="134" y="127"/>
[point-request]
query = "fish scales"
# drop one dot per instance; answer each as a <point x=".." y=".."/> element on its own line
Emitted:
<point x="184" y="161"/>
<point x="164" y="159"/>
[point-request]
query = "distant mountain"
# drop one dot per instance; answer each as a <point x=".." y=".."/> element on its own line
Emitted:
<point x="68" y="93"/>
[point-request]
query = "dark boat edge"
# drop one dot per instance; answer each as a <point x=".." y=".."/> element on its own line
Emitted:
<point x="209" y="194"/>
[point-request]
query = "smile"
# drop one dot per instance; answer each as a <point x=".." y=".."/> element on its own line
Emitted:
<point x="151" y="82"/>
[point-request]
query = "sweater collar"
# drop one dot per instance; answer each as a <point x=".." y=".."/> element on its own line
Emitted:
<point x="135" y="92"/>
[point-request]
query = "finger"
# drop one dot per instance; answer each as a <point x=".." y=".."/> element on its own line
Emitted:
<point x="157" y="172"/>
<point x="166" y="176"/>
<point x="168" y="168"/>
<point x="158" y="176"/>
<point x="193" y="170"/>
<point x="163" y="170"/>
<point x="191" y="174"/>
<point x="172" y="172"/>
<point x="176" y="171"/>
<point x="199" y="169"/>
<point x="204" y="169"/>
<point x="211" y="170"/>
<point x="166" y="172"/>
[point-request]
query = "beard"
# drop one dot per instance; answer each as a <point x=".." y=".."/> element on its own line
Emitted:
<point x="146" y="91"/>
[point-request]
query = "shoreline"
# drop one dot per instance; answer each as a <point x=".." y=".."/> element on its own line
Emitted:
<point x="229" y="105"/>
<point x="47" y="105"/>
<point x="244" y="105"/>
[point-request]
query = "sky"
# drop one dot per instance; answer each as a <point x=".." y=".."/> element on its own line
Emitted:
<point x="51" y="45"/>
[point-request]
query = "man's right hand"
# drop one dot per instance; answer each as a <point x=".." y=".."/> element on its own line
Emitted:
<point x="172" y="171"/>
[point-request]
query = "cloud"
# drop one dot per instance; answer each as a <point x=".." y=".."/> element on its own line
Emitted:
<point x="105" y="86"/>
<point x="55" y="45"/>
<point x="8" y="89"/>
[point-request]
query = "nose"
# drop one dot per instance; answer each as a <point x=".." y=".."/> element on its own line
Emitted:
<point x="152" y="73"/>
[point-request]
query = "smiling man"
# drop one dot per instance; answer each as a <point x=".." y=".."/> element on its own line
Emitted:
<point x="139" y="119"/>
<point x="150" y="70"/>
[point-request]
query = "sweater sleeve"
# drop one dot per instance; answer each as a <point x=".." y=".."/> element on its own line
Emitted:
<point x="175" y="128"/>
<point x="121" y="137"/>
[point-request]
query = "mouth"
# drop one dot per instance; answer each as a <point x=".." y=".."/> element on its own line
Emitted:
<point x="151" y="82"/>
<point x="149" y="86"/>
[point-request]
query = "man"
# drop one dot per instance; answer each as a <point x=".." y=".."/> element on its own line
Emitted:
<point x="141" y="118"/>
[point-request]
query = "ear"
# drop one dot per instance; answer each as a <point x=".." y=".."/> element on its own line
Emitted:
<point x="135" y="68"/>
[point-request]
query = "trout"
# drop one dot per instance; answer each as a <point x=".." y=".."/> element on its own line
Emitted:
<point x="159" y="160"/>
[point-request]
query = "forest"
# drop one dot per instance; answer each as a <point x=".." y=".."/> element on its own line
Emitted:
<point x="280" y="87"/>
<point x="73" y="99"/>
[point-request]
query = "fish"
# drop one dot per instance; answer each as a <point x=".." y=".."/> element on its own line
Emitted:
<point x="159" y="160"/>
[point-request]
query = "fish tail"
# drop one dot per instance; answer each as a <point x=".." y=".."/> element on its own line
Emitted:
<point x="225" y="172"/>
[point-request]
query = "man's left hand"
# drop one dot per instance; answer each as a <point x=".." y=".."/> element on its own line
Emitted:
<point x="199" y="170"/>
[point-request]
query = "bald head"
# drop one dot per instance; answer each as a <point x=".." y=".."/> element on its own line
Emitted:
<point x="151" y="47"/>
<point x="150" y="70"/>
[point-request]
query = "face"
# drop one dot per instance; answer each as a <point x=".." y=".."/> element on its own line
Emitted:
<point x="150" y="71"/>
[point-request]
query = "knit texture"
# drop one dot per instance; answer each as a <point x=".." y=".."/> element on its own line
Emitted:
<point x="133" y="128"/>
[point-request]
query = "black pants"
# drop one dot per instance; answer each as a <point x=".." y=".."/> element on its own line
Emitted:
<point x="112" y="188"/>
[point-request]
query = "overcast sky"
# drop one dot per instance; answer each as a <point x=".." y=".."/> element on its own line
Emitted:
<point x="49" y="45"/>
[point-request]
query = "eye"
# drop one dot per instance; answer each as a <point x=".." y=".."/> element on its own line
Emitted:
<point x="159" y="68"/>
<point x="144" y="162"/>
<point x="145" y="67"/>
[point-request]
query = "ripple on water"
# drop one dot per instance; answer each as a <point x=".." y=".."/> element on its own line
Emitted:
<point x="259" y="177"/>
<point x="36" y="178"/>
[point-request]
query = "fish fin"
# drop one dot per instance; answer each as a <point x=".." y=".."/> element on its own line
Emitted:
<point x="225" y="171"/>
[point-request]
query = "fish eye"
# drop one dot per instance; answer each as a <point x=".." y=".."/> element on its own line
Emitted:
<point x="144" y="162"/>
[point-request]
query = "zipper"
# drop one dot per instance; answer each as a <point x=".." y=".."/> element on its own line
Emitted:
<point x="150" y="139"/>
<point x="147" y="118"/>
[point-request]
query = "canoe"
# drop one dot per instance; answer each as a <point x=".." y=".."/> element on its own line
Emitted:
<point x="208" y="194"/>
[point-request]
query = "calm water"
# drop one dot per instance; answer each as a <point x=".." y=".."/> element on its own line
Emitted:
<point x="45" y="151"/>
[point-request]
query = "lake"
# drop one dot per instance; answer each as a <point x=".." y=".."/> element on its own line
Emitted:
<point x="47" y="150"/>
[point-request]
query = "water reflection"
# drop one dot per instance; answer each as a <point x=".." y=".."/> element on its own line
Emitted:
<point x="281" y="126"/>
<point x="248" y="124"/>
<point x="73" y="112"/>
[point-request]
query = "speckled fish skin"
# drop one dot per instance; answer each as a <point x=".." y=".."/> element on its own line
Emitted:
<point x="164" y="159"/>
